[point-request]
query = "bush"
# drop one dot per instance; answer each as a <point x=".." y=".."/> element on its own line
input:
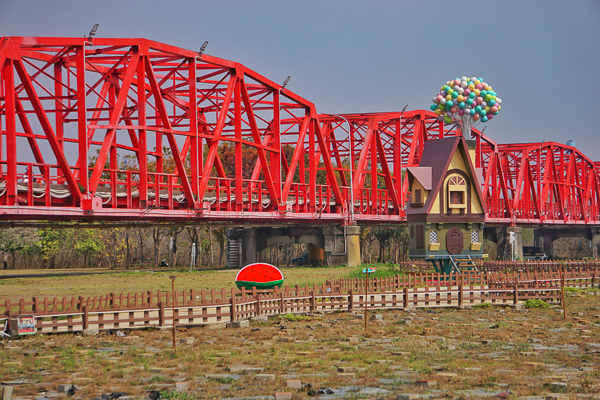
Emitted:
<point x="484" y="305"/>
<point x="535" y="303"/>
<point x="293" y="317"/>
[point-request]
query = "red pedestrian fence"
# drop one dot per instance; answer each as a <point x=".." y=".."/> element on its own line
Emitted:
<point x="191" y="307"/>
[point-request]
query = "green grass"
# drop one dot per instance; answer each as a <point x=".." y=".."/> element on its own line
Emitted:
<point x="382" y="271"/>
<point x="142" y="281"/>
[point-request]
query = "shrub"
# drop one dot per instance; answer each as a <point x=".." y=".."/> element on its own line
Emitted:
<point x="293" y="317"/>
<point x="484" y="305"/>
<point x="535" y="303"/>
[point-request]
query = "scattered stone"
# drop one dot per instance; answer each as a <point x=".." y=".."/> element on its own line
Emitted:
<point x="409" y="396"/>
<point x="187" y="341"/>
<point x="427" y="383"/>
<point x="558" y="385"/>
<point x="283" y="396"/>
<point x="64" y="388"/>
<point x="376" y="317"/>
<point x="264" y="377"/>
<point x="235" y="377"/>
<point x="182" y="386"/>
<point x="346" y="375"/>
<point x="238" y="324"/>
<point x="7" y="392"/>
<point x="346" y="369"/>
<point x="260" y="318"/>
<point x="359" y="316"/>
<point x="487" y="342"/>
<point x="533" y="364"/>
<point x="294" y="383"/>
<point x="446" y="376"/>
<point x="557" y="396"/>
<point x="401" y="353"/>
<point x="131" y="338"/>
<point x="383" y="361"/>
<point x="90" y="332"/>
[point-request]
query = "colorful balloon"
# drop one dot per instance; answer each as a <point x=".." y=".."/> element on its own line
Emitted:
<point x="462" y="99"/>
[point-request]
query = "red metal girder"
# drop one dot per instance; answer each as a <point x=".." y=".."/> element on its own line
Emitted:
<point x="212" y="151"/>
<point x="298" y="154"/>
<point x="187" y="189"/>
<point x="47" y="127"/>
<point x="114" y="120"/>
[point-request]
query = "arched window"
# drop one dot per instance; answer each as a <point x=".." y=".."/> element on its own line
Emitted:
<point x="433" y="237"/>
<point x="457" y="192"/>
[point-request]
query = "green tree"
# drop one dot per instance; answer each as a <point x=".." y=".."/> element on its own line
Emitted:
<point x="13" y="240"/>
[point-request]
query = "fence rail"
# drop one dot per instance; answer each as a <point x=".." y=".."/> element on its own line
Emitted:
<point x="191" y="307"/>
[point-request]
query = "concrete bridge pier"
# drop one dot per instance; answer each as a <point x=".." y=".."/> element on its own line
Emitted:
<point x="545" y="237"/>
<point x="501" y="236"/>
<point x="341" y="244"/>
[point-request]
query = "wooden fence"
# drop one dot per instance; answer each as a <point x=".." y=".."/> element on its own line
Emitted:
<point x="155" y="309"/>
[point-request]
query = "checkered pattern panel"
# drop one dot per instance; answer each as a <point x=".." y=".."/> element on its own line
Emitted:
<point x="474" y="237"/>
<point x="433" y="237"/>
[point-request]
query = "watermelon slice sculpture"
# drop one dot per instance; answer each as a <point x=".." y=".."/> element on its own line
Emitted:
<point x="261" y="275"/>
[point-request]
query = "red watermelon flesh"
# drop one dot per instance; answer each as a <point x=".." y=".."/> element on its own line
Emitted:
<point x="261" y="275"/>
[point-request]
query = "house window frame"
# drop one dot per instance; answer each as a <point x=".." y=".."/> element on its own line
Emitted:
<point x="457" y="184"/>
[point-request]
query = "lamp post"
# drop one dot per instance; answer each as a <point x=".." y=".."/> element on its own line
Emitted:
<point x="174" y="298"/>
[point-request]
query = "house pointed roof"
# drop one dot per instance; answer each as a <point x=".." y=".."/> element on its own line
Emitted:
<point x="437" y="155"/>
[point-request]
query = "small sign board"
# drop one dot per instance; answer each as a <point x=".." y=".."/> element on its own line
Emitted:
<point x="369" y="270"/>
<point x="23" y="325"/>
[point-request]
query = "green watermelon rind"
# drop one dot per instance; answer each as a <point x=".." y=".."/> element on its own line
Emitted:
<point x="259" y="285"/>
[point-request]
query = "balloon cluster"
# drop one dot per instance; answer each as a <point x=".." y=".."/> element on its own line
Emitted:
<point x="466" y="97"/>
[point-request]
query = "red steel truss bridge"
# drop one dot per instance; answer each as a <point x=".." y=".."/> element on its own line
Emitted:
<point x="135" y="130"/>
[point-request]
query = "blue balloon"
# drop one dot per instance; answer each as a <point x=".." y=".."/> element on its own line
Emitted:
<point x="491" y="102"/>
<point x="472" y="95"/>
<point x="433" y="107"/>
<point x="483" y="93"/>
<point x="470" y="101"/>
<point x="478" y="109"/>
<point x="461" y="104"/>
<point x="454" y="94"/>
<point x="449" y="105"/>
<point x="482" y="113"/>
<point x="472" y="112"/>
<point x="484" y="118"/>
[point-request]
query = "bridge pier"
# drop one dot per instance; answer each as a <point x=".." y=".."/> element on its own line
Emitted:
<point x="545" y="237"/>
<point x="501" y="236"/>
<point x="341" y="244"/>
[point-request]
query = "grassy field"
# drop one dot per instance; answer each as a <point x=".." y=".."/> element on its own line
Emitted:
<point x="139" y="281"/>
<point x="443" y="353"/>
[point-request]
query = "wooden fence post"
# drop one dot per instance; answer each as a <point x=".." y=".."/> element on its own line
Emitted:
<point x="85" y="317"/>
<point x="232" y="300"/>
<point x="405" y="297"/>
<point x="351" y="299"/>
<point x="281" y="303"/>
<point x="516" y="294"/>
<point x="257" y="297"/>
<point x="313" y="301"/>
<point x="460" y="295"/>
<point x="161" y="314"/>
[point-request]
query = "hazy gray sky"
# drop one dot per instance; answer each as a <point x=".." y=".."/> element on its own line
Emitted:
<point x="541" y="57"/>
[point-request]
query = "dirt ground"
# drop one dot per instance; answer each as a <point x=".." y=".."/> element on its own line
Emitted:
<point x="435" y="353"/>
